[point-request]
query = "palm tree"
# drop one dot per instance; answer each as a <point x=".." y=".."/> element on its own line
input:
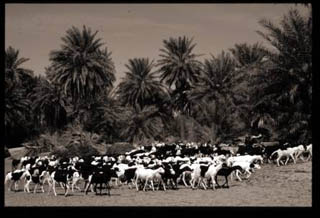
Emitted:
<point x="178" y="65"/>
<point x="216" y="78"/>
<point x="251" y="61"/>
<point x="179" y="70"/>
<point x="18" y="81"/>
<point x="17" y="106"/>
<point x="16" y="114"/>
<point x="13" y="72"/>
<point x="291" y="77"/>
<point x="246" y="55"/>
<point x="213" y="96"/>
<point x="81" y="67"/>
<point x="140" y="87"/>
<point x="108" y="118"/>
<point x="48" y="104"/>
<point x="142" y="125"/>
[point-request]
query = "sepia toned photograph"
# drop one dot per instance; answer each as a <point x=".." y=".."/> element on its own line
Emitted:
<point x="170" y="105"/>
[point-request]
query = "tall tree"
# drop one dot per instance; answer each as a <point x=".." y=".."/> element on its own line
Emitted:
<point x="140" y="87"/>
<point x="246" y="55"/>
<point x="213" y="95"/>
<point x="17" y="111"/>
<point x="291" y="85"/>
<point x="143" y="125"/>
<point x="178" y="64"/>
<point x="179" y="67"/>
<point x="17" y="106"/>
<point x="81" y="67"/>
<point x="179" y="70"/>
<point x="251" y="61"/>
<point x="108" y="119"/>
<point x="48" y="104"/>
<point x="13" y="72"/>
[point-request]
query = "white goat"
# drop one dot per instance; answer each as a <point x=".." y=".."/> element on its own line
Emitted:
<point x="212" y="172"/>
<point x="247" y="167"/>
<point x="147" y="175"/>
<point x="288" y="153"/>
<point x="309" y="150"/>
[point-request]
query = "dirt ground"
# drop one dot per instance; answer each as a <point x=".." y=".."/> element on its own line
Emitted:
<point x="270" y="186"/>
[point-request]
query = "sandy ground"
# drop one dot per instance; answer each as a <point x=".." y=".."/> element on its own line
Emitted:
<point x="270" y="186"/>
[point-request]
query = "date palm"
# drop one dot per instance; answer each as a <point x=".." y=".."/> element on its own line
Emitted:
<point x="290" y="82"/>
<point x="108" y="118"/>
<point x="13" y="72"/>
<point x="178" y="64"/>
<point x="140" y="87"/>
<point x="245" y="54"/>
<point x="17" y="82"/>
<point x="142" y="125"/>
<point x="216" y="78"/>
<point x="213" y="97"/>
<point x="17" y="106"/>
<point x="81" y="67"/>
<point x="48" y="104"/>
<point x="179" y="70"/>
<point x="252" y="61"/>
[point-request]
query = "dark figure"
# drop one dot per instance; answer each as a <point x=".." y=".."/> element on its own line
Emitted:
<point x="15" y="163"/>
<point x="226" y="171"/>
<point x="169" y="175"/>
<point x="101" y="176"/>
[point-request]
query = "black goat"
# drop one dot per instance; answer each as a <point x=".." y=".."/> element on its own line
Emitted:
<point x="226" y="171"/>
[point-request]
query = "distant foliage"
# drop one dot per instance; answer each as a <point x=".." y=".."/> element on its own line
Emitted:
<point x="76" y="110"/>
<point x="290" y="80"/>
<point x="119" y="148"/>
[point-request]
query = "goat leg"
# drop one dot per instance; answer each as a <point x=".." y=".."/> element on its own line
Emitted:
<point x="203" y="184"/>
<point x="35" y="188"/>
<point x="248" y="174"/>
<point x="152" y="185"/>
<point x="66" y="190"/>
<point x="164" y="187"/>
<point x="237" y="175"/>
<point x="54" y="188"/>
<point x="294" y="161"/>
<point x="216" y="179"/>
<point x="137" y="184"/>
<point x="226" y="182"/>
<point x="86" y="188"/>
<point x="213" y="183"/>
<point x="145" y="185"/>
<point x="184" y="180"/>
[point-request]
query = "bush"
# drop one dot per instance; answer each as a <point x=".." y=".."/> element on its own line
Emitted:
<point x="119" y="148"/>
<point x="71" y="142"/>
<point x="74" y="149"/>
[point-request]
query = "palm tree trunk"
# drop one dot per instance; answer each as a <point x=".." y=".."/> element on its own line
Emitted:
<point x="213" y="132"/>
<point x="192" y="130"/>
<point x="182" y="135"/>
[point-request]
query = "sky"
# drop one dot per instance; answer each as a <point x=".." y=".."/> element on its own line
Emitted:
<point x="135" y="30"/>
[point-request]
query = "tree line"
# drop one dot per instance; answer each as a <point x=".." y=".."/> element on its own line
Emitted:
<point x="247" y="89"/>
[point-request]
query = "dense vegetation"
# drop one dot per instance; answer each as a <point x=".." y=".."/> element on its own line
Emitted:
<point x="247" y="89"/>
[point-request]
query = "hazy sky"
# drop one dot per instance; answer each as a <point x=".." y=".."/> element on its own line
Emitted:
<point x="135" y="30"/>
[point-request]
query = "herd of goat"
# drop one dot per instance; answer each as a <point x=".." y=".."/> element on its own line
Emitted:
<point x="160" y="166"/>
